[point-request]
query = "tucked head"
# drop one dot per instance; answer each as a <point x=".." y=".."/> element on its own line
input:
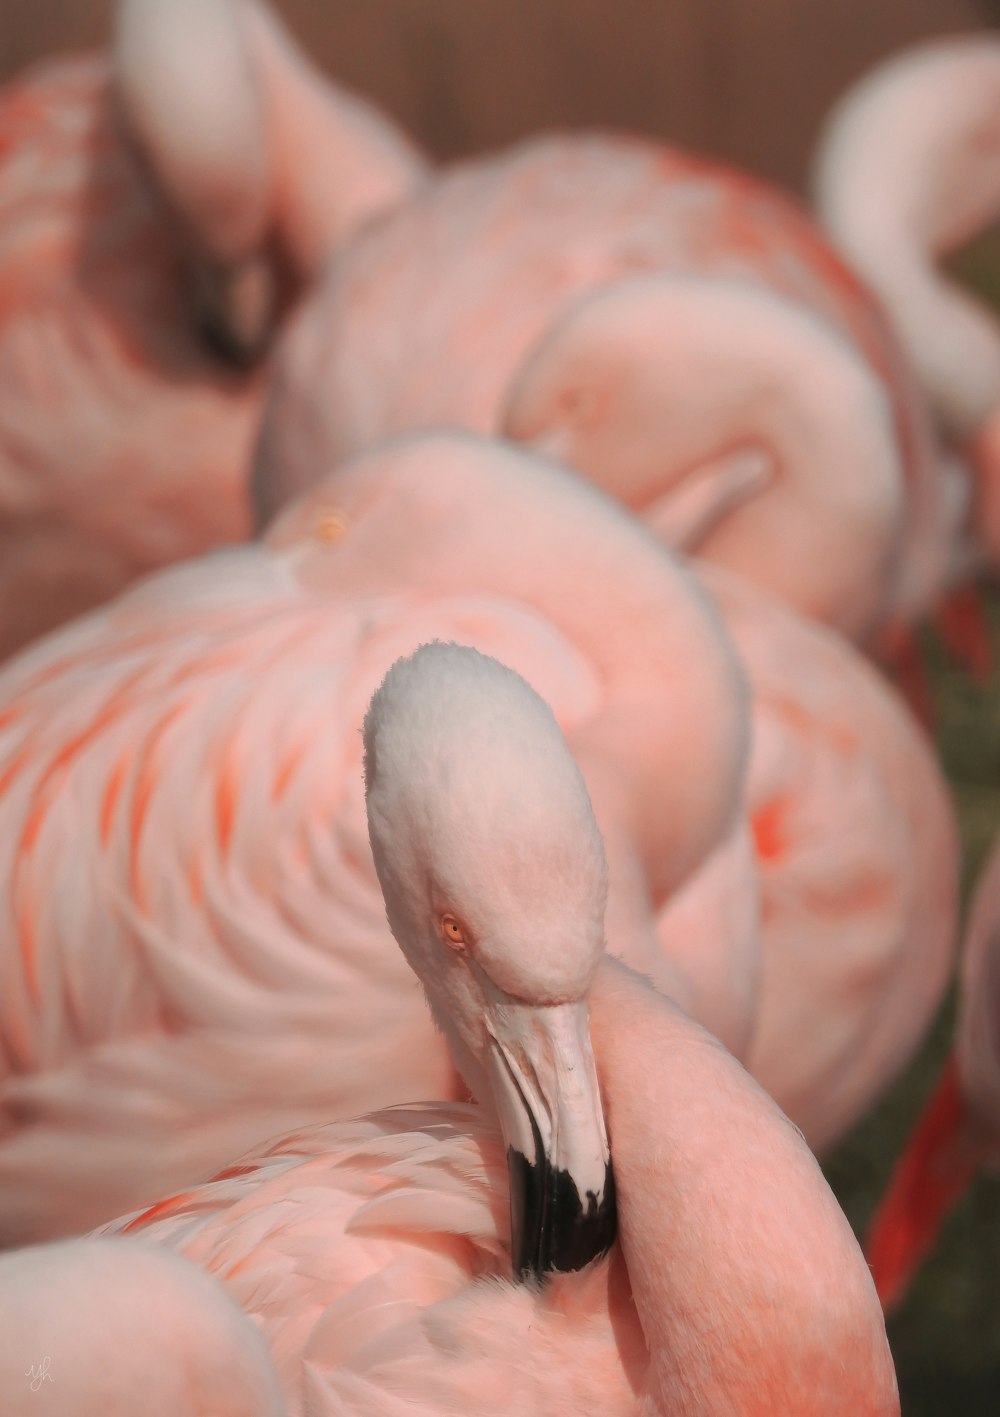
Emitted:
<point x="494" y="878"/>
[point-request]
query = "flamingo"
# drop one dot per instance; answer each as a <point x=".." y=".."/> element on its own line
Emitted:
<point x="907" y="171"/>
<point x="857" y="853"/>
<point x="677" y="332"/>
<point x="268" y="165"/>
<point x="125" y="430"/>
<point x="113" y="1327"/>
<point x="207" y="963"/>
<point x="958" y="1133"/>
<point x="375" y="1255"/>
<point x="184" y="863"/>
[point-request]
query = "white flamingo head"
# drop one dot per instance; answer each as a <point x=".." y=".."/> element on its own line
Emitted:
<point x="495" y="882"/>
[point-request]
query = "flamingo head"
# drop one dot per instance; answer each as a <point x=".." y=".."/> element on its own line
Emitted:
<point x="263" y="165"/>
<point x="737" y="424"/>
<point x="495" y="883"/>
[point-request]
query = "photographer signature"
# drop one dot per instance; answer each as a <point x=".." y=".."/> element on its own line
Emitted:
<point x="40" y="1373"/>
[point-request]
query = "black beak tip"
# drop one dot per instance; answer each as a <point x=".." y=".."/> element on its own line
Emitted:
<point x="552" y="1226"/>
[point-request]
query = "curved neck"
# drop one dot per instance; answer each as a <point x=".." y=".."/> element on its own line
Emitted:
<point x="908" y="171"/>
<point x="953" y="339"/>
<point x="751" y="1290"/>
<point x="249" y="143"/>
<point x="337" y="161"/>
<point x="723" y="412"/>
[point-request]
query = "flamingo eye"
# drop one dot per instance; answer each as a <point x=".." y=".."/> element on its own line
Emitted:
<point x="331" y="526"/>
<point x="452" y="932"/>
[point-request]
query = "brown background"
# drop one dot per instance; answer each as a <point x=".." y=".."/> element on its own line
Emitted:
<point x="746" y="79"/>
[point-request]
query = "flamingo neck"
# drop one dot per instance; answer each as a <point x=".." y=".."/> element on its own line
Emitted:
<point x="907" y="173"/>
<point x="750" y="1288"/>
<point x="336" y="161"/>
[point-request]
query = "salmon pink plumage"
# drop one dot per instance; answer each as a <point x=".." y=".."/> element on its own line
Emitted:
<point x="194" y="952"/>
<point x="678" y="332"/>
<point x="375" y="1255"/>
<point x="125" y="429"/>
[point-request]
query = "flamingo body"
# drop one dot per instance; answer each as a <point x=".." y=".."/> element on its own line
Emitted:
<point x="104" y="374"/>
<point x="516" y="272"/>
<point x="407" y="1307"/>
<point x="107" y="1327"/>
<point x="185" y="837"/>
<point x="147" y="248"/>
<point x="374" y="1257"/>
<point x="185" y="847"/>
<point x="857" y="853"/>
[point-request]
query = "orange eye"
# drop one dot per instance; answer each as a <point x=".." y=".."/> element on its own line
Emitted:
<point x="452" y="931"/>
<point x="331" y="526"/>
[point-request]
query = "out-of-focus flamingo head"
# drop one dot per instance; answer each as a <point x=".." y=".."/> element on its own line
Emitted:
<point x="263" y="162"/>
<point x="737" y="425"/>
<point x="907" y="172"/>
<point x="196" y="114"/>
<point x="495" y="883"/>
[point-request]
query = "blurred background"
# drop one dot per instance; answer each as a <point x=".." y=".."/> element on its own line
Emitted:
<point x="749" y="81"/>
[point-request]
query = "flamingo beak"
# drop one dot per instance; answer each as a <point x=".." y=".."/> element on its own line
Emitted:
<point x="562" y="1192"/>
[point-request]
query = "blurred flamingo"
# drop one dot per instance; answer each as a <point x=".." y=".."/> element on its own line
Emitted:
<point x="266" y="165"/>
<point x="374" y="1254"/>
<point x="125" y="425"/>
<point x="958" y="1132"/>
<point x="857" y="854"/>
<point x="907" y="172"/>
<point x="678" y="332"/>
<point x="195" y="954"/>
<point x="101" y="1328"/>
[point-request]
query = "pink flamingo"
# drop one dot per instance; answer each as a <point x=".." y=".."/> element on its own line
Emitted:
<point x="375" y="1255"/>
<point x="908" y="170"/>
<point x="110" y="1327"/>
<point x="124" y="436"/>
<point x="184" y="862"/>
<point x="857" y="853"/>
<point x="958" y="1133"/>
<point x="267" y="165"/>
<point x="207" y="962"/>
<point x="678" y="332"/>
